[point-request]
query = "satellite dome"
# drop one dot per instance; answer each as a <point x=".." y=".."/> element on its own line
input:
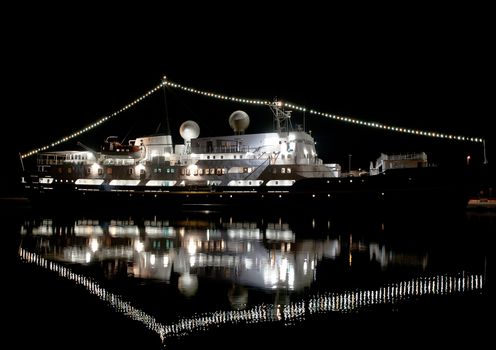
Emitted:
<point x="239" y="121"/>
<point x="189" y="130"/>
<point x="188" y="284"/>
<point x="238" y="297"/>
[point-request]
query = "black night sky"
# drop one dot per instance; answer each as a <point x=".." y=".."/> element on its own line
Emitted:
<point x="421" y="68"/>
<point x="429" y="72"/>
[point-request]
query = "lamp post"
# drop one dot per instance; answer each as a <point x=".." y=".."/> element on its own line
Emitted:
<point x="349" y="164"/>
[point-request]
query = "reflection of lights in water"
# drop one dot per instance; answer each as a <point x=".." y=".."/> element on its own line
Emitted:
<point x="88" y="257"/>
<point x="291" y="277"/>
<point x="294" y="311"/>
<point x="238" y="297"/>
<point x="191" y="247"/>
<point x="284" y="269"/>
<point x="192" y="261"/>
<point x="188" y="284"/>
<point x="166" y="261"/>
<point x="94" y="244"/>
<point x="139" y="246"/>
<point x="305" y="267"/>
<point x="248" y="263"/>
<point x="152" y="259"/>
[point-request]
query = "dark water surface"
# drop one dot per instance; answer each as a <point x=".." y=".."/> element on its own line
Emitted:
<point x="228" y="280"/>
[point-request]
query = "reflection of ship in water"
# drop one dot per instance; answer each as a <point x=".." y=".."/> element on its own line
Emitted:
<point x="250" y="254"/>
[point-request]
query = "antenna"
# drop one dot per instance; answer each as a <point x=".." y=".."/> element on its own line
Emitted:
<point x="484" y="146"/>
<point x="22" y="163"/>
<point x="167" y="130"/>
<point x="282" y="118"/>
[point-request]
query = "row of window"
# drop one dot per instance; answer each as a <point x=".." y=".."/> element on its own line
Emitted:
<point x="184" y="171"/>
<point x="108" y="171"/>
<point x="200" y="171"/>
<point x="159" y="170"/>
<point x="222" y="157"/>
<point x="283" y="170"/>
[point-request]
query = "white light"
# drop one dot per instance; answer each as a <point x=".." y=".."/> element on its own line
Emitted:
<point x="138" y="246"/>
<point x="94" y="168"/>
<point x="191" y="247"/>
<point x="94" y="244"/>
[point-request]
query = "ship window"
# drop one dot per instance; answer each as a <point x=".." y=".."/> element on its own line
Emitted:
<point x="245" y="170"/>
<point x="109" y="171"/>
<point x="289" y="156"/>
<point x="240" y="156"/>
<point x="234" y="156"/>
<point x="288" y="170"/>
<point x="212" y="171"/>
<point x="207" y="171"/>
<point x="172" y="170"/>
<point x="130" y="171"/>
<point x="221" y="157"/>
<point x="159" y="170"/>
<point x="219" y="171"/>
<point x="250" y="170"/>
<point x="188" y="171"/>
<point x="223" y="171"/>
<point x="154" y="170"/>
<point x="183" y="171"/>
<point x="277" y="182"/>
<point x="283" y="156"/>
<point x="168" y="170"/>
<point x="283" y="170"/>
<point x="100" y="171"/>
<point x="142" y="171"/>
<point x="208" y="157"/>
<point x="213" y="157"/>
<point x="88" y="171"/>
<point x="200" y="171"/>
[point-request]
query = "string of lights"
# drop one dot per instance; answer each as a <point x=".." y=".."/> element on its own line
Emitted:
<point x="343" y="301"/>
<point x="94" y="124"/>
<point x="250" y="101"/>
<point x="370" y="124"/>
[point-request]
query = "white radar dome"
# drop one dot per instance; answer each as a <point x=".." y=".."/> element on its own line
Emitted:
<point x="189" y="130"/>
<point x="239" y="121"/>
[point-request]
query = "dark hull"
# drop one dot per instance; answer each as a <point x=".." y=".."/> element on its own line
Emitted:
<point x="395" y="191"/>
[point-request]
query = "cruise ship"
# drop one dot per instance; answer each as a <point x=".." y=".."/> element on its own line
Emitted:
<point x="277" y="169"/>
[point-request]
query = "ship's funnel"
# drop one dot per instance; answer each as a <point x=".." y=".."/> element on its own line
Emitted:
<point x="239" y="121"/>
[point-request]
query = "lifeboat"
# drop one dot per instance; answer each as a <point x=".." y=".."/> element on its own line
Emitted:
<point x="112" y="147"/>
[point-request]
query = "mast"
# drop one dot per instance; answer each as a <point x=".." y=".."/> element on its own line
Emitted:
<point x="282" y="118"/>
<point x="167" y="125"/>
<point x="484" y="146"/>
